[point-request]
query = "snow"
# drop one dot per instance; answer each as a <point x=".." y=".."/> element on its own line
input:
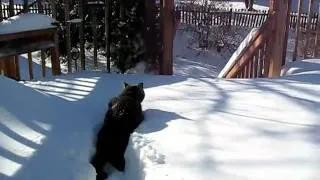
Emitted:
<point x="26" y="22"/>
<point x="195" y="128"/>
<point x="190" y="60"/>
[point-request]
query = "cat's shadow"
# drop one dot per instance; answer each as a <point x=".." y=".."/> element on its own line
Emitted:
<point x="156" y="120"/>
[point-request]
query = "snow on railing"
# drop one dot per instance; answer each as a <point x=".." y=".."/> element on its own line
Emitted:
<point x="253" y="59"/>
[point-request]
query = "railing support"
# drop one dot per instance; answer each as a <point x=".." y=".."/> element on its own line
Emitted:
<point x="280" y="11"/>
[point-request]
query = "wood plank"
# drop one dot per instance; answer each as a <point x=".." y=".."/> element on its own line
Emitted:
<point x="32" y="33"/>
<point x="19" y="47"/>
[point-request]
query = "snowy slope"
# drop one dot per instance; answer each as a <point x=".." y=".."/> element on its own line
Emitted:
<point x="195" y="128"/>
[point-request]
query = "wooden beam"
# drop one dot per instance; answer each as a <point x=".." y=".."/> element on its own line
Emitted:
<point x="279" y="9"/>
<point x="298" y="28"/>
<point x="307" y="42"/>
<point x="168" y="20"/>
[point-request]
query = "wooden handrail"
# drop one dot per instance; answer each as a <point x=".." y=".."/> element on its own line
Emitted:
<point x="253" y="61"/>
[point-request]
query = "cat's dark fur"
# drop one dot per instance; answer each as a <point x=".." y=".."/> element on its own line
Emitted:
<point x="123" y="116"/>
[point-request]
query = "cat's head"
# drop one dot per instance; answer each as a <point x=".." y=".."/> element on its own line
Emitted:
<point x="135" y="91"/>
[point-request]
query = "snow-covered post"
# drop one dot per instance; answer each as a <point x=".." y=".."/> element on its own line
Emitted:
<point x="294" y="56"/>
<point x="280" y="10"/>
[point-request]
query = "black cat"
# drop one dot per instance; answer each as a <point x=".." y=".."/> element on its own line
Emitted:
<point x="123" y="116"/>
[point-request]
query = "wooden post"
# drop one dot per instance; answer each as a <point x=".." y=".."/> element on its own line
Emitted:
<point x="17" y="67"/>
<point x="81" y="34"/>
<point x="25" y="6"/>
<point x="94" y="32"/>
<point x="107" y="32"/>
<point x="53" y="9"/>
<point x="55" y="62"/>
<point x="30" y="65"/>
<point x="40" y="7"/>
<point x="279" y="9"/>
<point x="285" y="42"/>
<point x="1" y="12"/>
<point x="317" y="39"/>
<point x="43" y="63"/>
<point x="168" y="20"/>
<point x="68" y="33"/>
<point x="296" y="44"/>
<point x="11" y="8"/>
<point x="307" y="42"/>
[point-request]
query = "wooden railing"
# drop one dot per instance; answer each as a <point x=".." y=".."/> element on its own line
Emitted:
<point x="253" y="61"/>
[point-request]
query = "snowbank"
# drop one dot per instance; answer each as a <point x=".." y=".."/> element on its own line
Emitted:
<point x="306" y="66"/>
<point x="235" y="55"/>
<point x="194" y="128"/>
<point x="26" y="22"/>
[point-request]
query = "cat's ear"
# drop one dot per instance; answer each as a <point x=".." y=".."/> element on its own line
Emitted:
<point x="140" y="85"/>
<point x="125" y="84"/>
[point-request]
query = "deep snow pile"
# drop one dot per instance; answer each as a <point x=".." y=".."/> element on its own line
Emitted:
<point x="195" y="128"/>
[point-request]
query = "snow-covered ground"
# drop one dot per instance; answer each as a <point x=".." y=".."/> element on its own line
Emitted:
<point x="195" y="128"/>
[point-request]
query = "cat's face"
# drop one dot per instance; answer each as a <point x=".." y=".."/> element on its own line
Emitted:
<point x="135" y="91"/>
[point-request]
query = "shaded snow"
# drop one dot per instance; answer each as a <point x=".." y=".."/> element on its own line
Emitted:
<point x="26" y="22"/>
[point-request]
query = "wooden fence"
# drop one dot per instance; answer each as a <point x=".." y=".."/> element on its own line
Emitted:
<point x="199" y="16"/>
